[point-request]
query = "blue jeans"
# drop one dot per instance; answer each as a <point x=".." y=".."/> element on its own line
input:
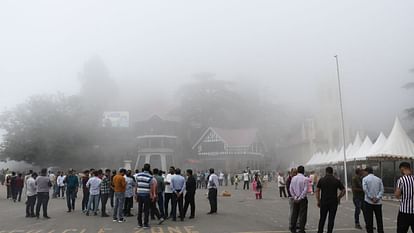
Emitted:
<point x="93" y="200"/>
<point x="119" y="205"/>
<point x="161" y="204"/>
<point x="359" y="205"/>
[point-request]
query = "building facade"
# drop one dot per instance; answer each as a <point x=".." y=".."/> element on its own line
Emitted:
<point x="230" y="149"/>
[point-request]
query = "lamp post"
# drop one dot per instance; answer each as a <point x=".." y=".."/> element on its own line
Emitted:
<point x="342" y="125"/>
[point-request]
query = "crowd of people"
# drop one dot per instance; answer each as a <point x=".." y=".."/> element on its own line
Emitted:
<point x="156" y="191"/>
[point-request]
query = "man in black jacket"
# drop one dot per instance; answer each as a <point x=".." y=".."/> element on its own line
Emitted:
<point x="191" y="186"/>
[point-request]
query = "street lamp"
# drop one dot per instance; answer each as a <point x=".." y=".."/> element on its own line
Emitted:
<point x="342" y="125"/>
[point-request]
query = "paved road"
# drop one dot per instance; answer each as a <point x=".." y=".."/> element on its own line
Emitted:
<point x="240" y="213"/>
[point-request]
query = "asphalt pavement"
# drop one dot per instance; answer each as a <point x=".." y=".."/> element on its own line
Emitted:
<point x="240" y="213"/>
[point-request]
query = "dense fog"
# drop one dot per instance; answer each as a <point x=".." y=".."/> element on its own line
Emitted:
<point x="229" y="64"/>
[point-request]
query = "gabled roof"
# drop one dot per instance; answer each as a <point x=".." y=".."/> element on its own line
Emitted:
<point x="232" y="137"/>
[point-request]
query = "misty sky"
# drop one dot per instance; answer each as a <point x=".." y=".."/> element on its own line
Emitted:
<point x="286" y="46"/>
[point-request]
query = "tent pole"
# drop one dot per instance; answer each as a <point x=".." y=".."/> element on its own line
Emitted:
<point x="342" y="125"/>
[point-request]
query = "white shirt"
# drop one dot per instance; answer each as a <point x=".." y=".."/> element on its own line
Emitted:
<point x="94" y="185"/>
<point x="221" y="176"/>
<point x="246" y="176"/>
<point x="168" y="186"/>
<point x="31" y="187"/>
<point x="213" y="181"/>
<point x="281" y="181"/>
<point x="52" y="178"/>
<point x="60" y="180"/>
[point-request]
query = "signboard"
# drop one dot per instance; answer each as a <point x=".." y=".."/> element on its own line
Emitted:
<point x="115" y="120"/>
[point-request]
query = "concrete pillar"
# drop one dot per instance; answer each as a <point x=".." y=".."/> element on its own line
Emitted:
<point x="127" y="164"/>
<point x="147" y="158"/>
<point x="163" y="162"/>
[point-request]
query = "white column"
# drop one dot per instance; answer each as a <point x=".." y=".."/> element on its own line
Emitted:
<point x="147" y="158"/>
<point x="163" y="162"/>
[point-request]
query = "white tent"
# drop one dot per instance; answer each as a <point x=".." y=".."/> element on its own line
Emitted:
<point x="398" y="145"/>
<point x="363" y="150"/>
<point x="356" y="145"/>
<point x="378" y="145"/>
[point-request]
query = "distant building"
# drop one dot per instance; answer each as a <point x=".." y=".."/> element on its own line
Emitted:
<point x="157" y="142"/>
<point x="230" y="149"/>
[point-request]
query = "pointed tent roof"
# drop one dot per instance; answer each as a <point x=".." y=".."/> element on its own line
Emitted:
<point x="363" y="150"/>
<point x="398" y="143"/>
<point x="378" y="145"/>
<point x="356" y="145"/>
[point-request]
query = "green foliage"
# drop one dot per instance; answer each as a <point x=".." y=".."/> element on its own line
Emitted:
<point x="44" y="129"/>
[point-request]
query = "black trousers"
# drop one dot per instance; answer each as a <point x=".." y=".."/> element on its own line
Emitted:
<point x="404" y="222"/>
<point x="369" y="217"/>
<point x="168" y="198"/>
<point x="30" y="204"/>
<point x="212" y="197"/>
<point x="330" y="208"/>
<point x="300" y="210"/>
<point x="154" y="212"/>
<point x="70" y="198"/>
<point x="246" y="184"/>
<point x="189" y="200"/>
<point x="14" y="192"/>
<point x="111" y="196"/>
<point x="128" y="204"/>
<point x="85" y="200"/>
<point x="143" y="208"/>
<point x="104" y="200"/>
<point x="180" y="202"/>
<point x="42" y="201"/>
<point x="282" y="190"/>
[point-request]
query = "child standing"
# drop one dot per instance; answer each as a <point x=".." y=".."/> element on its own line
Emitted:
<point x="257" y="186"/>
<point x="236" y="181"/>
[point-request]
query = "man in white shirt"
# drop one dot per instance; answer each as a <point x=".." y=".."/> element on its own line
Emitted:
<point x="282" y="185"/>
<point x="212" y="186"/>
<point x="246" y="180"/>
<point x="168" y="193"/>
<point x="94" y="186"/>
<point x="60" y="182"/>
<point x="31" y="193"/>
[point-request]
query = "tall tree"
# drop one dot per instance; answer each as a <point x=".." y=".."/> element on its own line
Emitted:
<point x="46" y="130"/>
<point x="98" y="89"/>
<point x="211" y="102"/>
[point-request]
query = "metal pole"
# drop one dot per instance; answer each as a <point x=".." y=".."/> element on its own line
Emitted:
<point x="342" y="125"/>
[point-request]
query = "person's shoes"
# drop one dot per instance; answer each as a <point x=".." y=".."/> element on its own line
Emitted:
<point x="69" y="210"/>
<point x="139" y="226"/>
<point x="114" y="220"/>
<point x="87" y="213"/>
<point x="95" y="214"/>
<point x="46" y="217"/>
<point x="122" y="220"/>
<point x="210" y="212"/>
<point x="33" y="216"/>
<point x="146" y="226"/>
<point x="161" y="221"/>
<point x="358" y="226"/>
<point x="191" y="217"/>
<point x="27" y="216"/>
<point x="104" y="215"/>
